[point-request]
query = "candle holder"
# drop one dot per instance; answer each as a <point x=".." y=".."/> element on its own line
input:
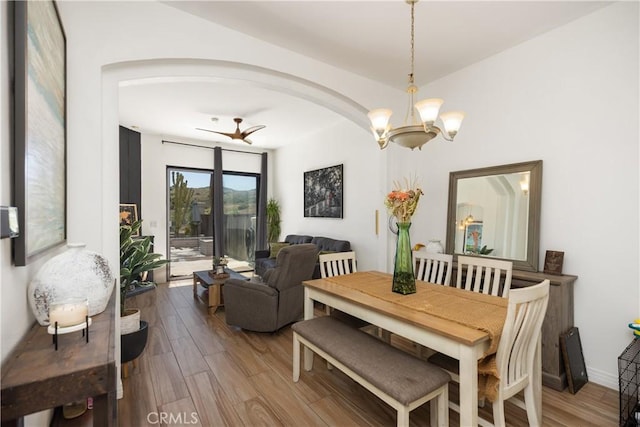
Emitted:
<point x="56" y="330"/>
<point x="68" y="316"/>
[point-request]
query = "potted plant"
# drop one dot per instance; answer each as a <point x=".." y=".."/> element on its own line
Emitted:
<point x="273" y="220"/>
<point x="136" y="260"/>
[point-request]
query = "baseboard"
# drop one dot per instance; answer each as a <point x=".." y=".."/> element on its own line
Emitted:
<point x="603" y="378"/>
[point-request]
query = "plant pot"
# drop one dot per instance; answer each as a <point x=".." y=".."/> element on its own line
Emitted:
<point x="130" y="321"/>
<point x="132" y="345"/>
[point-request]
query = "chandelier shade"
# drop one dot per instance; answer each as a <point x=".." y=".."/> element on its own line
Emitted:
<point x="414" y="134"/>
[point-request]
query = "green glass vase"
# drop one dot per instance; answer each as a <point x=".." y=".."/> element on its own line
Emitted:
<point x="404" y="282"/>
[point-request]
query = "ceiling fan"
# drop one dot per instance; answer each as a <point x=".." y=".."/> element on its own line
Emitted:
<point x="238" y="135"/>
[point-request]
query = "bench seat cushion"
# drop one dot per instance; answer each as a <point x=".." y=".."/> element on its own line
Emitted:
<point x="393" y="371"/>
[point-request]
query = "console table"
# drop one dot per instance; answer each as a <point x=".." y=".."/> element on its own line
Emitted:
<point x="557" y="321"/>
<point x="36" y="377"/>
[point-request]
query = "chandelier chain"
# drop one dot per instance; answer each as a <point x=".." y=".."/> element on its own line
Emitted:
<point x="412" y="41"/>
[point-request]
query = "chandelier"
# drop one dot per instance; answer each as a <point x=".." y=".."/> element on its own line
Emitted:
<point x="413" y="133"/>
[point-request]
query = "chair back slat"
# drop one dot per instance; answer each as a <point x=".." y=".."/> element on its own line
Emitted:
<point x="337" y="264"/>
<point x="484" y="275"/>
<point x="433" y="267"/>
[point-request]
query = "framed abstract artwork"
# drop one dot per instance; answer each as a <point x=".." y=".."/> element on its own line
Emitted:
<point x="40" y="133"/>
<point x="323" y="193"/>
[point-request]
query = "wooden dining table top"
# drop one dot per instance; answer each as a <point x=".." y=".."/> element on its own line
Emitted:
<point x="464" y="316"/>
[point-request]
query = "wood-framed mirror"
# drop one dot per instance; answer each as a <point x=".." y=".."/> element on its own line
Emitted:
<point x="495" y="212"/>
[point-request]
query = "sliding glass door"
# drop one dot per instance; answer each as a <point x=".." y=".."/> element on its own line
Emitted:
<point x="190" y="226"/>
<point x="190" y="219"/>
<point x="240" y="211"/>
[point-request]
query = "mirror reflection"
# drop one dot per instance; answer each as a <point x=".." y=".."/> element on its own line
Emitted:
<point x="495" y="212"/>
<point x="491" y="215"/>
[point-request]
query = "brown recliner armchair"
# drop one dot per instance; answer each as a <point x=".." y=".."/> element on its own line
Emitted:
<point x="276" y="300"/>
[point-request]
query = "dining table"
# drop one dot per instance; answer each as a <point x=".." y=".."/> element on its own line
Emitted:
<point x="462" y="324"/>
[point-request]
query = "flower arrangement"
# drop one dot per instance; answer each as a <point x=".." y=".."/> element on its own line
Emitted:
<point x="402" y="202"/>
<point x="219" y="264"/>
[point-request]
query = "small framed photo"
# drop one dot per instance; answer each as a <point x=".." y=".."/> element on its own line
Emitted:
<point x="473" y="237"/>
<point x="128" y="213"/>
<point x="553" y="262"/>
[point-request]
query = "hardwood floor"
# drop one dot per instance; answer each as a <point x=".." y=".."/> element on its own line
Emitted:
<point x="198" y="371"/>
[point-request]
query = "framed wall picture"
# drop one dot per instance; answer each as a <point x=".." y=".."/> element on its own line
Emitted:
<point x="473" y="237"/>
<point x="128" y="213"/>
<point x="323" y="192"/>
<point x="553" y="261"/>
<point x="40" y="190"/>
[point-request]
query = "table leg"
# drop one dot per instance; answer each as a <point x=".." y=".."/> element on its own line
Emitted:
<point x="308" y="305"/>
<point x="308" y="314"/>
<point x="195" y="286"/>
<point x="214" y="298"/>
<point x="468" y="387"/>
<point x="105" y="410"/>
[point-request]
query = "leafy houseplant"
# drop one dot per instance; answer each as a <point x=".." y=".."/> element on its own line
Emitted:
<point x="273" y="220"/>
<point x="136" y="260"/>
<point x="482" y="251"/>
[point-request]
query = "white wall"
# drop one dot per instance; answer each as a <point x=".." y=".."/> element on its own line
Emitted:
<point x="569" y="98"/>
<point x="356" y="150"/>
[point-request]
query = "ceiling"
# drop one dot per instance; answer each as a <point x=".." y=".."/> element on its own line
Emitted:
<point x="351" y="35"/>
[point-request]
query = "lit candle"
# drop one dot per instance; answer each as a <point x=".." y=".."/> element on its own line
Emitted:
<point x="68" y="313"/>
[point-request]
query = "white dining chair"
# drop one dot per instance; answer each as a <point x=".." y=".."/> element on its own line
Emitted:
<point x="337" y="264"/>
<point x="519" y="352"/>
<point x="517" y="358"/>
<point x="484" y="275"/>
<point x="433" y="267"/>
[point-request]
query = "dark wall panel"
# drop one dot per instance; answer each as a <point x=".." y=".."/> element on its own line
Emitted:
<point x="130" y="168"/>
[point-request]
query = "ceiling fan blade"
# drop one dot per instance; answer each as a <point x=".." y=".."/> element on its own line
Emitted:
<point x="230" y="135"/>
<point x="248" y="141"/>
<point x="252" y="129"/>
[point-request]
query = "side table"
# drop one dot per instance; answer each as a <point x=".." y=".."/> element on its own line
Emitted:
<point x="214" y="286"/>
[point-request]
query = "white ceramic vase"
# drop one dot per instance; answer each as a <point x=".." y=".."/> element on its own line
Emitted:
<point x="76" y="273"/>
<point x="434" y="246"/>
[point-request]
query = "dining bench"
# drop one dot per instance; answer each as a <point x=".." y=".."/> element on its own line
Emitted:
<point x="398" y="378"/>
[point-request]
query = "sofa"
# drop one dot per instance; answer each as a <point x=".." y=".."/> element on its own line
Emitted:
<point x="266" y="259"/>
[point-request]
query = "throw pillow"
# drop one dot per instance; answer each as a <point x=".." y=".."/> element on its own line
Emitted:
<point x="276" y="247"/>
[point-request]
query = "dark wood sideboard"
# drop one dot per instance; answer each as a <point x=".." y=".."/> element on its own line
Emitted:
<point x="36" y="377"/>
<point x="557" y="321"/>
